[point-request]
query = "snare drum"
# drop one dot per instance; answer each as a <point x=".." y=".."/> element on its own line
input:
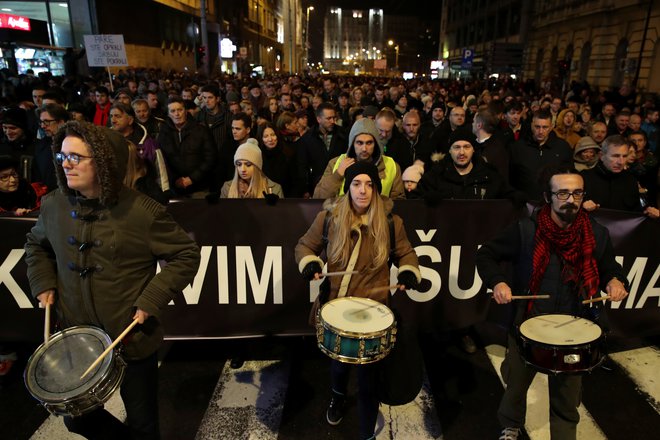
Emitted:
<point x="53" y="372"/>
<point x="355" y="330"/>
<point x="561" y="344"/>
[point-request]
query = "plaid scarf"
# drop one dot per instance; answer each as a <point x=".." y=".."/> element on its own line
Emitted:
<point x="575" y="246"/>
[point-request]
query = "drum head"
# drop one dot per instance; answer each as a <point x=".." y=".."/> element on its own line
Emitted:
<point x="560" y="330"/>
<point x="357" y="315"/>
<point x="53" y="372"/>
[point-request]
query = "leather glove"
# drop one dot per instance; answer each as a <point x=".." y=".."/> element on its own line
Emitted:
<point x="408" y="279"/>
<point x="310" y="270"/>
<point x="271" y="199"/>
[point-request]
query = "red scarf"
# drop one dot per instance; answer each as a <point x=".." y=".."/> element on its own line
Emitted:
<point x="575" y="246"/>
<point x="102" y="114"/>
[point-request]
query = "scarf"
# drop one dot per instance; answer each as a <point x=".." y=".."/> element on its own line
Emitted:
<point x="575" y="247"/>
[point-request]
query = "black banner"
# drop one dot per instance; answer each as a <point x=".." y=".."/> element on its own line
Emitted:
<point x="248" y="283"/>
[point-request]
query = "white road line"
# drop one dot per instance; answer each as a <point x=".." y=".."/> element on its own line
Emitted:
<point x="538" y="407"/>
<point x="53" y="427"/>
<point x="416" y="420"/>
<point x="247" y="400"/>
<point x="642" y="366"/>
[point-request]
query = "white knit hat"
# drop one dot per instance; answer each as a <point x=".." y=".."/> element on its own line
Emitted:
<point x="250" y="151"/>
<point x="413" y="173"/>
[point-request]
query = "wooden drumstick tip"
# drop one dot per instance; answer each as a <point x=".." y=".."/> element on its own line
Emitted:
<point x="336" y="274"/>
<point x="47" y="324"/>
<point x="109" y="349"/>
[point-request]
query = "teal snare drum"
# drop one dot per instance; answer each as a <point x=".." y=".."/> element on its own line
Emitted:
<point x="355" y="330"/>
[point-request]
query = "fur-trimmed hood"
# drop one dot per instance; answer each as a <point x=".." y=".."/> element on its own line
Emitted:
<point x="109" y="152"/>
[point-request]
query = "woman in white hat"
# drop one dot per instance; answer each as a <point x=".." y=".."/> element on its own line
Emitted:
<point x="249" y="180"/>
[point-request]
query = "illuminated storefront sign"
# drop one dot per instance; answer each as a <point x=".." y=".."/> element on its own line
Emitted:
<point x="14" y="22"/>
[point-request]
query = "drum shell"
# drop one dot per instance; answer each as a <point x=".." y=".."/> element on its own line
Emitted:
<point x="96" y="388"/>
<point x="354" y="347"/>
<point x="552" y="359"/>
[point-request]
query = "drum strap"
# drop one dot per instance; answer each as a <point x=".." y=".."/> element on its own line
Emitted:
<point x="390" y="222"/>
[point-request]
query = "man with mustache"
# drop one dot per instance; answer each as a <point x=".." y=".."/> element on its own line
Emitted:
<point x="562" y="252"/>
<point x="610" y="185"/>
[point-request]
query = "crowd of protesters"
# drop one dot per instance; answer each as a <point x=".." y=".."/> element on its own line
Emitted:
<point x="438" y="139"/>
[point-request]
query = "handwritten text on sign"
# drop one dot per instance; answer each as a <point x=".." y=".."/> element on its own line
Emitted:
<point x="105" y="50"/>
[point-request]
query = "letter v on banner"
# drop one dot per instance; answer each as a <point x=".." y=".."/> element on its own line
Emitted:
<point x="10" y="262"/>
<point x="192" y="293"/>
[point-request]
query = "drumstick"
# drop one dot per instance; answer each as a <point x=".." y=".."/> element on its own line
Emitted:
<point x="109" y="349"/>
<point x="530" y="297"/>
<point x="593" y="300"/>
<point x="47" y="324"/>
<point x="336" y="274"/>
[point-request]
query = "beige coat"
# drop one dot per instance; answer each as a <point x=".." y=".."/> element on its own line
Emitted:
<point x="310" y="246"/>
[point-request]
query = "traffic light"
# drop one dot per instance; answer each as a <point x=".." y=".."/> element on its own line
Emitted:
<point x="201" y="53"/>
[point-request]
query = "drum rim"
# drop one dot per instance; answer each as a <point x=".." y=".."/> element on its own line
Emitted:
<point x="355" y="360"/>
<point x="361" y="335"/>
<point x="572" y="344"/>
<point x="44" y="396"/>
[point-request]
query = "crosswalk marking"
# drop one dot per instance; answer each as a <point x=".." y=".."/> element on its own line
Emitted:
<point x="537" y="422"/>
<point x="417" y="419"/>
<point x="641" y="365"/>
<point x="248" y="400"/>
<point x="54" y="428"/>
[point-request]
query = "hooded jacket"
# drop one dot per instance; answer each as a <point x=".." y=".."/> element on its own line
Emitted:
<point x="389" y="171"/>
<point x="566" y="133"/>
<point x="585" y="143"/>
<point x="311" y="245"/>
<point x="100" y="255"/>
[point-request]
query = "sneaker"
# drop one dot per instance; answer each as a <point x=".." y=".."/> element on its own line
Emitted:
<point x="335" y="412"/>
<point x="468" y="345"/>
<point x="510" y="434"/>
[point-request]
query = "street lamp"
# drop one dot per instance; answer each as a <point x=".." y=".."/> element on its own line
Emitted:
<point x="309" y="9"/>
<point x="396" y="51"/>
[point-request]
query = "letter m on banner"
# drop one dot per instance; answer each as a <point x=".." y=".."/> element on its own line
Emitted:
<point x="258" y="284"/>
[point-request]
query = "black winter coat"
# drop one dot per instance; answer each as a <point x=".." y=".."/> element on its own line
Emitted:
<point x="188" y="153"/>
<point x="442" y="181"/>
<point x="312" y="157"/>
<point x="528" y="158"/>
<point x="612" y="190"/>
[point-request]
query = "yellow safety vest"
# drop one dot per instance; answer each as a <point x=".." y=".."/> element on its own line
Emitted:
<point x="387" y="182"/>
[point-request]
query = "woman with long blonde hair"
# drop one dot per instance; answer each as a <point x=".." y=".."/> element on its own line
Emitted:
<point x="357" y="228"/>
<point x="249" y="180"/>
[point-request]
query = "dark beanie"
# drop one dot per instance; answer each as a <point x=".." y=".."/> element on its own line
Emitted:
<point x="362" y="168"/>
<point x="462" y="134"/>
<point x="15" y="116"/>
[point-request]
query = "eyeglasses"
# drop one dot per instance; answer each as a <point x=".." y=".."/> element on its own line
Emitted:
<point x="562" y="195"/>
<point x="6" y="177"/>
<point x="46" y="121"/>
<point x="73" y="158"/>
